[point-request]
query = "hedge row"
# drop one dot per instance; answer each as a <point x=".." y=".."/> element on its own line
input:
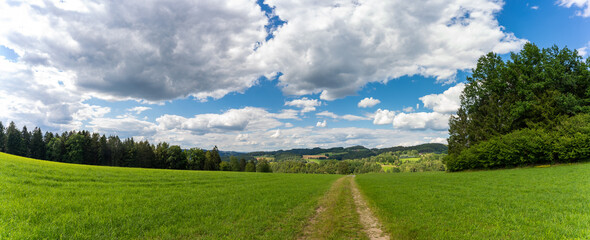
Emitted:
<point x="568" y="142"/>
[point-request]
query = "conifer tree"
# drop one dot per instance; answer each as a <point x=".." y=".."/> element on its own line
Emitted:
<point x="14" y="140"/>
<point x="2" y="138"/>
<point x="26" y="145"/>
<point x="37" y="145"/>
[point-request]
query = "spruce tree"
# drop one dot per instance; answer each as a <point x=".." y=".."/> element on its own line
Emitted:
<point x="26" y="145"/>
<point x="2" y="138"/>
<point x="37" y="145"/>
<point x="14" y="140"/>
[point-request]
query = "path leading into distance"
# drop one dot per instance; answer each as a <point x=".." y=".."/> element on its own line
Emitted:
<point x="344" y="214"/>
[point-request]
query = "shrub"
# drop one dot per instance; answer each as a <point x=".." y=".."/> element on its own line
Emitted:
<point x="569" y="142"/>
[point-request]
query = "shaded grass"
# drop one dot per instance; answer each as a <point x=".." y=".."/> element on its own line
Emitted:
<point x="528" y="203"/>
<point x="48" y="200"/>
<point x="336" y="217"/>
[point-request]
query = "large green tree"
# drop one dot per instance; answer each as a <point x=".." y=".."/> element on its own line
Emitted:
<point x="176" y="158"/>
<point x="196" y="159"/>
<point x="535" y="88"/>
<point x="161" y="155"/>
<point x="234" y="163"/>
<point x="75" y="148"/>
<point x="55" y="149"/>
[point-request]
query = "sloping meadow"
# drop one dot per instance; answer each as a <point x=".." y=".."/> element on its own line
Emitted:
<point x="48" y="200"/>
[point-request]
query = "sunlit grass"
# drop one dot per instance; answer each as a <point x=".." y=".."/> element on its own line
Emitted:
<point x="529" y="203"/>
<point x="48" y="200"/>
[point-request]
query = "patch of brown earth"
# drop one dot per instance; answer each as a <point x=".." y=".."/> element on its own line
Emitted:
<point x="371" y="224"/>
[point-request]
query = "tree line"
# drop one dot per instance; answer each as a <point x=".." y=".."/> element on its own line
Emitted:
<point x="84" y="147"/>
<point x="325" y="167"/>
<point x="530" y="109"/>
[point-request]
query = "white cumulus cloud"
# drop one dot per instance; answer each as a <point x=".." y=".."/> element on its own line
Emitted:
<point x="139" y="109"/>
<point x="583" y="51"/>
<point x="245" y="119"/>
<point x="306" y="105"/>
<point x="383" y="117"/>
<point x="321" y="124"/>
<point x="154" y="50"/>
<point x="421" y="121"/>
<point x="584" y="4"/>
<point x="383" y="40"/>
<point x="408" y="109"/>
<point x="368" y="102"/>
<point x="348" y="117"/>
<point x="447" y="102"/>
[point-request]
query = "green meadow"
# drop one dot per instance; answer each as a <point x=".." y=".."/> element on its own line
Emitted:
<point x="526" y="203"/>
<point x="49" y="200"/>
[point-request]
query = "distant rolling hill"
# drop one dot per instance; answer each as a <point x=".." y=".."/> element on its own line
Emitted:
<point x="341" y="153"/>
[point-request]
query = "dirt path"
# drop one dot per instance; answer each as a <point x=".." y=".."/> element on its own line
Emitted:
<point x="343" y="214"/>
<point x="371" y="224"/>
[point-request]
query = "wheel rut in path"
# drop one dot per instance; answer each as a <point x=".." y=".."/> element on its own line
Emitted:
<point x="371" y="224"/>
<point x="343" y="214"/>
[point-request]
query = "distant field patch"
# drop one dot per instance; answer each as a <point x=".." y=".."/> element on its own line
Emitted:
<point x="387" y="167"/>
<point x="49" y="200"/>
<point x="529" y="203"/>
<point x="317" y="160"/>
<point x="410" y="159"/>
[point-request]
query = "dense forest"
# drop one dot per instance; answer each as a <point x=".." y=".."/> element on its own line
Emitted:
<point x="530" y="109"/>
<point x="92" y="148"/>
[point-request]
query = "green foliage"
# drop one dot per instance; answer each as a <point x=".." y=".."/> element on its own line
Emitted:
<point x="14" y="142"/>
<point x="161" y="154"/>
<point x="176" y="158"/>
<point x="343" y="168"/>
<point x="212" y="160"/>
<point x="26" y="142"/>
<point x="2" y="138"/>
<point x="243" y="164"/>
<point x="528" y="203"/>
<point x="250" y="167"/>
<point x="75" y="149"/>
<point x="510" y="111"/>
<point x="224" y="166"/>
<point x="55" y="149"/>
<point x="356" y="166"/>
<point x="196" y="159"/>
<point x="568" y="142"/>
<point x="234" y="164"/>
<point x="534" y="89"/>
<point x="37" y="145"/>
<point x="49" y="200"/>
<point x="263" y="166"/>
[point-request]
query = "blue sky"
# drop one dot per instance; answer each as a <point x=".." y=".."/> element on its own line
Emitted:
<point x="261" y="75"/>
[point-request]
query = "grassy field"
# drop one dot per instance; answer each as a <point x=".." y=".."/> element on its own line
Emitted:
<point x="528" y="203"/>
<point x="410" y="159"/>
<point x="386" y="167"/>
<point x="318" y="161"/>
<point x="48" y="200"/>
<point x="336" y="218"/>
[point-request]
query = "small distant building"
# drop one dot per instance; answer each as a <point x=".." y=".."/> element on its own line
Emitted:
<point x="315" y="157"/>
